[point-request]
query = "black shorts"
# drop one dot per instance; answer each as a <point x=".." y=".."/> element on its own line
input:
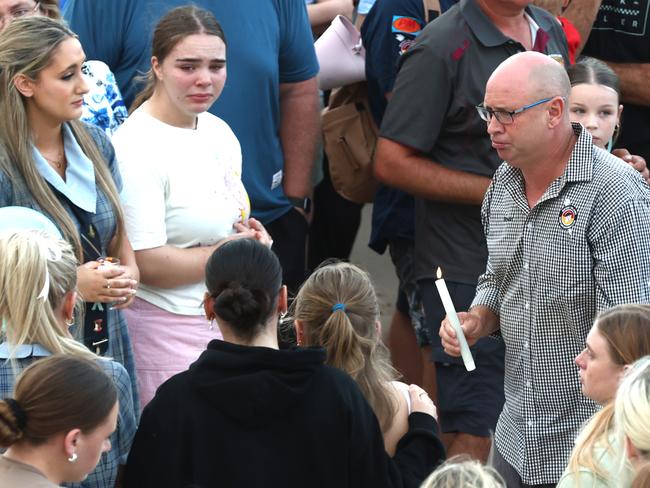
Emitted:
<point x="468" y="402"/>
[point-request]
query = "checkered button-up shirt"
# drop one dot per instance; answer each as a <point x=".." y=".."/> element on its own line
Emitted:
<point x="584" y="247"/>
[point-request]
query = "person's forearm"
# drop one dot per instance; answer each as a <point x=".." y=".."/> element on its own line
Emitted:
<point x="323" y="12"/>
<point x="170" y="266"/>
<point x="419" y="176"/>
<point x="633" y="78"/>
<point x="127" y="257"/>
<point x="582" y="13"/>
<point x="299" y="132"/>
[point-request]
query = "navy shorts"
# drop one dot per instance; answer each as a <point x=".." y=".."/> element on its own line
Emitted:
<point x="468" y="402"/>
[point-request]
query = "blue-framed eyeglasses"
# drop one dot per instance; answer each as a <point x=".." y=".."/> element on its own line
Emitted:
<point x="503" y="116"/>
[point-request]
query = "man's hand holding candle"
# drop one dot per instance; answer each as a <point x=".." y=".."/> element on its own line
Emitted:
<point x="477" y="323"/>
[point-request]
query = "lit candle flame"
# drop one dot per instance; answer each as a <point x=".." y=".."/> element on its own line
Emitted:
<point x="439" y="273"/>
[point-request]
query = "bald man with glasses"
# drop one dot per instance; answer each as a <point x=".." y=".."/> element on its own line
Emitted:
<point x="434" y="146"/>
<point x="568" y="235"/>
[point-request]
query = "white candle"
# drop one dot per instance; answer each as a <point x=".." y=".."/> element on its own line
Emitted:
<point x="453" y="318"/>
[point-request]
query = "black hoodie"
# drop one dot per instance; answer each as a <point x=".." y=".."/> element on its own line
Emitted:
<point x="254" y="416"/>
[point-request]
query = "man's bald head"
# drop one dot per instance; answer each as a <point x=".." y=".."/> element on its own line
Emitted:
<point x="531" y="75"/>
<point x="526" y="81"/>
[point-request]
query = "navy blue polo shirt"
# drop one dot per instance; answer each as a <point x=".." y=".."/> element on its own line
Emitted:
<point x="389" y="29"/>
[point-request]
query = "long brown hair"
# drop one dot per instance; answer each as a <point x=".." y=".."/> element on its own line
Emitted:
<point x="626" y="330"/>
<point x="338" y="307"/>
<point x="175" y="26"/>
<point x="55" y="395"/>
<point x="27" y="46"/>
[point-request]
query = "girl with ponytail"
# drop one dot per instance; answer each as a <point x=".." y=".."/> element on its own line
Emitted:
<point x="336" y="308"/>
<point x="249" y="414"/>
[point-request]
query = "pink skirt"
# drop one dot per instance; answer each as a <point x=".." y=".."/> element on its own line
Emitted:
<point x="164" y="343"/>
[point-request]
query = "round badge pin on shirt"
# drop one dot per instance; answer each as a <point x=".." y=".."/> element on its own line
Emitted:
<point x="568" y="216"/>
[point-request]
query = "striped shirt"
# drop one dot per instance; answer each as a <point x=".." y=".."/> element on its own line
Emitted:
<point x="584" y="247"/>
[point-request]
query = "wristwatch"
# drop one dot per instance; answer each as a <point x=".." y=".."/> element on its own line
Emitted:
<point x="301" y="203"/>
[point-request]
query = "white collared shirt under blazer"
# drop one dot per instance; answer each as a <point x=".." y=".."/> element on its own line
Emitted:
<point x="584" y="247"/>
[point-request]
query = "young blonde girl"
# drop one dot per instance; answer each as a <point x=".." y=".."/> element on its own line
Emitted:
<point x="337" y="308"/>
<point x="632" y="416"/>
<point x="38" y="276"/>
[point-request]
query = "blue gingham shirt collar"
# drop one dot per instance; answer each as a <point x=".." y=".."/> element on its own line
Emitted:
<point x="79" y="186"/>
<point x="23" y="351"/>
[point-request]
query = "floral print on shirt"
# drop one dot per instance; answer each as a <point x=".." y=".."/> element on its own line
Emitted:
<point x="103" y="105"/>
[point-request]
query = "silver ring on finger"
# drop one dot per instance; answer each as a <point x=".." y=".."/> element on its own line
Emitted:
<point x="108" y="284"/>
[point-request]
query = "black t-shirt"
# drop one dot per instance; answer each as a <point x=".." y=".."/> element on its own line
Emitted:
<point x="620" y="34"/>
<point x="441" y="80"/>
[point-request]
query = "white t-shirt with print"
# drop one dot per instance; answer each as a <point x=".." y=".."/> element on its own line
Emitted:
<point x="182" y="187"/>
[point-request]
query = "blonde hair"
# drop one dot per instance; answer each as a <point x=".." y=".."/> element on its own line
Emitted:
<point x="626" y="331"/>
<point x="632" y="407"/>
<point x="27" y="46"/>
<point x="31" y="262"/>
<point x="461" y="471"/>
<point x="349" y="334"/>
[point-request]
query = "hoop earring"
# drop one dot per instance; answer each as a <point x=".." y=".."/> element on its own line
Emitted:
<point x="73" y="458"/>
<point x="70" y="322"/>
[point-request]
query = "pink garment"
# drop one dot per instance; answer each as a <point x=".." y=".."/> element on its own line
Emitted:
<point x="164" y="343"/>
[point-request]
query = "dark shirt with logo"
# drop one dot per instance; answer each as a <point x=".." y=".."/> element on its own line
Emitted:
<point x="620" y="34"/>
<point x="390" y="28"/>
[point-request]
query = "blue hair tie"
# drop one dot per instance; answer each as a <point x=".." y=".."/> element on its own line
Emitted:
<point x="338" y="306"/>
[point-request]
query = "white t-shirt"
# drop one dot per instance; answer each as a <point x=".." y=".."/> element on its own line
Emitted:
<point x="182" y="187"/>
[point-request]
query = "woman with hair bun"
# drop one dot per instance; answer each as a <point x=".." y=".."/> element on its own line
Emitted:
<point x="337" y="308"/>
<point x="38" y="276"/>
<point x="58" y="423"/>
<point x="249" y="414"/>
